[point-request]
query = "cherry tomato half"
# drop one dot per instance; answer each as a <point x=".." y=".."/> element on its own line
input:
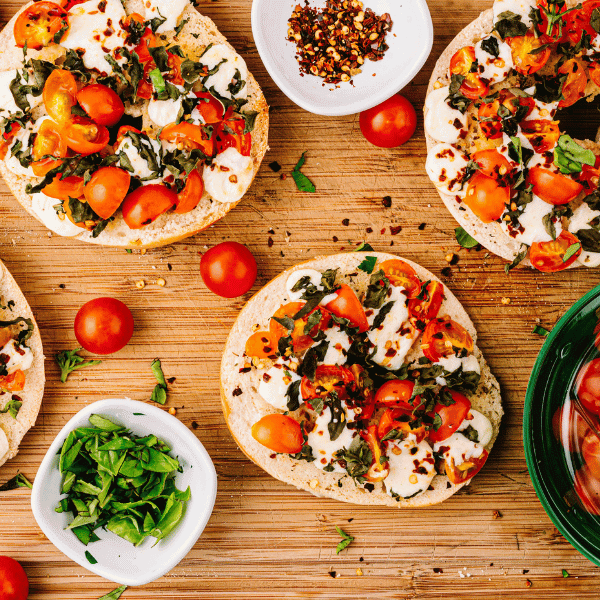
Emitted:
<point x="228" y="269"/>
<point x="574" y="87"/>
<point x="103" y="325"/>
<point x="7" y="139"/>
<point x="491" y="163"/>
<point x="210" y="108"/>
<point x="48" y="143"/>
<point x="401" y="274"/>
<point x="590" y="450"/>
<point x="146" y="204"/>
<point x="473" y="86"/>
<point x="300" y="340"/>
<point x="521" y="47"/>
<point x="15" y="382"/>
<point x="490" y="121"/>
<point x="587" y="386"/>
<point x="444" y="337"/>
<point x="389" y="124"/>
<point x="542" y="134"/>
<point x="101" y="104"/>
<point x="190" y="196"/>
<point x="348" y="306"/>
<point x="429" y="306"/>
<point x="38" y="25"/>
<point x="486" y="198"/>
<point x="13" y="580"/>
<point x="400" y="419"/>
<point x="63" y="189"/>
<point x="190" y="137"/>
<point x="279" y="433"/>
<point x="260" y="345"/>
<point x="551" y="187"/>
<point x="450" y="417"/>
<point x="230" y="134"/>
<point x="328" y="378"/>
<point x="84" y="136"/>
<point x="60" y="95"/>
<point x="106" y="190"/>
<point x="397" y="394"/>
<point x="378" y="470"/>
<point x="467" y="470"/>
<point x="549" y="257"/>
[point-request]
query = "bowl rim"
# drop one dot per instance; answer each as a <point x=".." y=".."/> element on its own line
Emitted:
<point x="356" y="107"/>
<point x="187" y="437"/>
<point x="557" y="518"/>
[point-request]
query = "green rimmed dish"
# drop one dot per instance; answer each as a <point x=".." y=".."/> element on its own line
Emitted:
<point x="550" y="465"/>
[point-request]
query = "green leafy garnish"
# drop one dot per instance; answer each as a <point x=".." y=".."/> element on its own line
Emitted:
<point x="565" y="573"/>
<point x="90" y="558"/>
<point x="17" y="481"/>
<point x="303" y="183"/>
<point x="520" y="257"/>
<point x="12" y="407"/>
<point x="539" y="330"/>
<point x="159" y="393"/>
<point x="346" y="540"/>
<point x="464" y="239"/>
<point x="69" y="361"/>
<point x="368" y="264"/>
<point x="571" y="251"/>
<point x="570" y="157"/>
<point x="158" y="81"/>
<point x="115" y="594"/>
<point x="364" y="247"/>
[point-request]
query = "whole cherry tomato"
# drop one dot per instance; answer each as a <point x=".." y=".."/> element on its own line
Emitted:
<point x="103" y="325"/>
<point x="13" y="580"/>
<point x="106" y="190"/>
<point x="549" y="257"/>
<point x="389" y="124"/>
<point x="101" y="104"/>
<point x="279" y="433"/>
<point x="39" y="24"/>
<point x="228" y="269"/>
<point x="146" y="204"/>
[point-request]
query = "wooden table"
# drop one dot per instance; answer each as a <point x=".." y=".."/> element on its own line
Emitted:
<point x="265" y="539"/>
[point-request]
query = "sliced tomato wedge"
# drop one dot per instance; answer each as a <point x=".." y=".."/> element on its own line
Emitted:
<point x="542" y="134"/>
<point x="49" y="144"/>
<point x="397" y="393"/>
<point x="427" y="307"/>
<point x="84" y="136"/>
<point x="348" y="306"/>
<point x="15" y="382"/>
<point x="401" y="274"/>
<point x="63" y="189"/>
<point x="521" y="48"/>
<point x="378" y="470"/>
<point x="574" y="87"/>
<point x="189" y="137"/>
<point x="60" y="95"/>
<point x="466" y="470"/>
<point x="41" y="24"/>
<point x="190" y="196"/>
<point x="230" y="134"/>
<point x="260" y="345"/>
<point x="449" y="418"/>
<point x="210" y="108"/>
<point x="549" y="257"/>
<point x="401" y="420"/>
<point x="445" y="337"/>
<point x="491" y="163"/>
<point x="551" y="187"/>
<point x="328" y="378"/>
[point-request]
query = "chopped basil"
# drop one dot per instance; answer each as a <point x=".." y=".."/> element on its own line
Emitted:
<point x="510" y="24"/>
<point x="69" y="361"/>
<point x="364" y="247"/>
<point x="191" y="71"/>
<point x="303" y="183"/>
<point x="491" y="46"/>
<point x="115" y="594"/>
<point x="572" y="250"/>
<point x="590" y="239"/>
<point x="18" y="481"/>
<point x="549" y="89"/>
<point x="181" y="25"/>
<point x="159" y="394"/>
<point x="306" y="452"/>
<point x="358" y="458"/>
<point x="464" y="239"/>
<point x="518" y="259"/>
<point x="549" y="225"/>
<point x="471" y="433"/>
<point x="293" y="395"/>
<point x="382" y="314"/>
<point x="595" y="20"/>
<point x="337" y="424"/>
<point x="237" y="84"/>
<point x="376" y="290"/>
<point x="565" y="573"/>
<point x="539" y="330"/>
<point x="250" y="120"/>
<point x="90" y="558"/>
<point x="24" y="334"/>
<point x="346" y="540"/>
<point x="160" y="56"/>
<point x="158" y="81"/>
<point x="570" y="157"/>
<point x="12" y="407"/>
<point x="368" y="264"/>
<point x="455" y="99"/>
<point x="314" y="355"/>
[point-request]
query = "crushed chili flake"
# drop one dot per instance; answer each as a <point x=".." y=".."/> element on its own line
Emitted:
<point x="194" y="425"/>
<point x="437" y="570"/>
<point x="446" y="271"/>
<point x="334" y="42"/>
<point x="237" y="392"/>
<point x="369" y="230"/>
<point x="395" y="229"/>
<point x="528" y="583"/>
<point x="271" y="231"/>
<point x="387" y="201"/>
<point x="346" y="222"/>
<point x="332" y="573"/>
<point x="335" y="238"/>
<point x="422" y="226"/>
<point x="270" y="242"/>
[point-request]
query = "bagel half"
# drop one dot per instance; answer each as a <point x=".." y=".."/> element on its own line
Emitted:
<point x="243" y="406"/>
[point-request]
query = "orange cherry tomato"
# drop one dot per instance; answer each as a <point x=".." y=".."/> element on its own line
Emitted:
<point x="84" y="136"/>
<point x="445" y="337"/>
<point x="378" y="470"/>
<point x="449" y="417"/>
<point x="521" y="47"/>
<point x="462" y="60"/>
<point x="490" y="121"/>
<point x="15" y="382"/>
<point x="7" y="139"/>
<point x="348" y="306"/>
<point x="401" y="274"/>
<point x="60" y="95"/>
<point x="549" y="256"/>
<point x="39" y="24"/>
<point x="491" y="163"/>
<point x="260" y="345"/>
<point x="542" y="134"/>
<point x="190" y="137"/>
<point x="300" y="340"/>
<point x="63" y="189"/>
<point x="106" y="190"/>
<point x="328" y="378"/>
<point x="486" y="198"/>
<point x="210" y="108"/>
<point x="473" y="86"/>
<point x="399" y="419"/>
<point x="467" y="470"/>
<point x="48" y="142"/>
<point x="397" y="393"/>
<point x="102" y="104"/>
<point x="551" y="187"/>
<point x="574" y="87"/>
<point x="191" y="194"/>
<point x="230" y="134"/>
<point x="146" y="204"/>
<point x="429" y="306"/>
<point x="279" y="433"/>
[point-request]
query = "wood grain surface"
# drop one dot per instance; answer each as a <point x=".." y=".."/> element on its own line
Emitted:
<point x="265" y="539"/>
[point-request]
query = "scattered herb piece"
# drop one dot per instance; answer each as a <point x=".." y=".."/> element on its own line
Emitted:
<point x="364" y="247"/>
<point x="12" y="407"/>
<point x="90" y="558"/>
<point x="346" y="540"/>
<point x="464" y="239"/>
<point x="517" y="260"/>
<point x="368" y="264"/>
<point x="17" y="481"/>
<point x="571" y="251"/>
<point x="129" y="250"/>
<point x="69" y="361"/>
<point x="159" y="393"/>
<point x="539" y="330"/>
<point x="565" y="573"/>
<point x="115" y="594"/>
<point x="303" y="183"/>
<point x="570" y="157"/>
<point x="275" y="166"/>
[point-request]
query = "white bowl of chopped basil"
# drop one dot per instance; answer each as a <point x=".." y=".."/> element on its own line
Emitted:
<point x="125" y="490"/>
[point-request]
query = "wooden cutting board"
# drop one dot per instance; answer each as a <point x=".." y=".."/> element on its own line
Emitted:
<point x="266" y="539"/>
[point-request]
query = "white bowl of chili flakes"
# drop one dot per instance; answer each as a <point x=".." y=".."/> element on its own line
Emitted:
<point x="408" y="42"/>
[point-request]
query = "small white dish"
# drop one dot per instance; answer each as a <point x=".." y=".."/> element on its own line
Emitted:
<point x="119" y="560"/>
<point x="409" y="41"/>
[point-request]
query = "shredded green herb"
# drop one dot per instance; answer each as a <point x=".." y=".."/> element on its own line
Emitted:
<point x="159" y="394"/>
<point x="346" y="540"/>
<point x="303" y="183"/>
<point x="17" y="481"/>
<point x="539" y="330"/>
<point x="69" y="361"/>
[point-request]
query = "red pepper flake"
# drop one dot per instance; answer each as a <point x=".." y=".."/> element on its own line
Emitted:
<point x="171" y="380"/>
<point x="497" y="514"/>
<point x="369" y="230"/>
<point x="346" y="222"/>
<point x="528" y="583"/>
<point x="335" y="238"/>
<point x="332" y="574"/>
<point x="446" y="271"/>
<point x="283" y="176"/>
<point x="270" y="242"/>
<point x="387" y="201"/>
<point x="194" y="425"/>
<point x="383" y="231"/>
<point x="422" y="226"/>
<point x="437" y="570"/>
<point x="271" y="231"/>
<point x="237" y="391"/>
<point x="395" y="229"/>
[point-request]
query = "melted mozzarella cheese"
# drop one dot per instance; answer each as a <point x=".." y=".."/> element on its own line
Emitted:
<point x="339" y="344"/>
<point x="20" y="357"/>
<point x="492" y="68"/>
<point x="446" y="167"/>
<point x="479" y="423"/>
<point x="274" y="384"/>
<point x="595" y="45"/>
<point x="141" y="169"/>
<point x="296" y="276"/>
<point x="226" y="73"/>
<point x="164" y="112"/>
<point x="229" y="176"/>
<point x="43" y="207"/>
<point x="545" y="160"/>
<point x="8" y="106"/>
<point x="453" y="363"/>
<point x="589" y="259"/>
<point x="391" y="347"/>
<point x="323" y="447"/>
<point x="442" y="122"/>
<point x="97" y="32"/>
<point x="531" y="220"/>
<point x="541" y="110"/>
<point x="170" y="10"/>
<point x="518" y="7"/>
<point x="25" y="136"/>
<point x="411" y="468"/>
<point x="459" y="448"/>
<point x="581" y="218"/>
<point x="4" y="447"/>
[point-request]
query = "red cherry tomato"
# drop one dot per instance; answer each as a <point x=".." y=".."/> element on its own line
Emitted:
<point x="542" y="134"/>
<point x="467" y="470"/>
<point x="389" y="124"/>
<point x="451" y="416"/>
<point x="378" y="470"/>
<point x="328" y="378"/>
<point x="230" y="134"/>
<point x="587" y="488"/>
<point x="15" y="382"/>
<point x="106" y="190"/>
<point x="300" y="340"/>
<point x="491" y="163"/>
<point x="210" y="108"/>
<point x="101" y="104"/>
<point x="587" y="386"/>
<point x="490" y="121"/>
<point x="524" y="61"/>
<point x="60" y="95"/>
<point x="397" y="393"/>
<point x="486" y="198"/>
<point x="190" y="196"/>
<point x="445" y="337"/>
<point x="590" y="450"/>
<point x="549" y="257"/>
<point x="228" y="269"/>
<point x="429" y="306"/>
<point x="401" y="274"/>
<point x="63" y="189"/>
<point x="39" y="24"/>
<point x="348" y="306"/>
<point x="148" y="39"/>
<point x="146" y="204"/>
<point x="473" y="86"/>
<point x="13" y="580"/>
<point x="84" y="136"/>
<point x="551" y="187"/>
<point x="190" y="137"/>
<point x="103" y="325"/>
<point x="574" y="87"/>
<point x="400" y="419"/>
<point x="279" y="433"/>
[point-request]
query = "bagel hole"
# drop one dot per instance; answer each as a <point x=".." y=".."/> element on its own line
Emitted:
<point x="581" y="121"/>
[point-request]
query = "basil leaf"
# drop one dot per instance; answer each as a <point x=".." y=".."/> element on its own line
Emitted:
<point x="376" y="290"/>
<point x="471" y="434"/>
<point x="293" y="395"/>
<point x="314" y="355"/>
<point x="17" y="481"/>
<point x="364" y="247"/>
<point x="24" y="334"/>
<point x="69" y="361"/>
<point x="517" y="260"/>
<point x="358" y="458"/>
<point x="104" y="424"/>
<point x="337" y="424"/>
<point x="250" y="120"/>
<point x="90" y="558"/>
<point x="368" y="264"/>
<point x="12" y="407"/>
<point x="180" y="27"/>
<point x="455" y="98"/>
<point x="571" y="251"/>
<point x="570" y="157"/>
<point x="464" y="239"/>
<point x="346" y="541"/>
<point x="303" y="183"/>
<point x="590" y="239"/>
<point x="491" y="46"/>
<point x="382" y="314"/>
<point x="539" y="330"/>
<point x="509" y="24"/>
<point x="158" y="81"/>
<point x="549" y="225"/>
<point x="595" y="20"/>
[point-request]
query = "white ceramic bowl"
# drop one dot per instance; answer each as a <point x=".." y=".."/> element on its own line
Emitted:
<point x="118" y="560"/>
<point x="408" y="51"/>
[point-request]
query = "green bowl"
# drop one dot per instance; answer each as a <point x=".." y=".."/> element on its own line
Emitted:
<point x="550" y="465"/>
